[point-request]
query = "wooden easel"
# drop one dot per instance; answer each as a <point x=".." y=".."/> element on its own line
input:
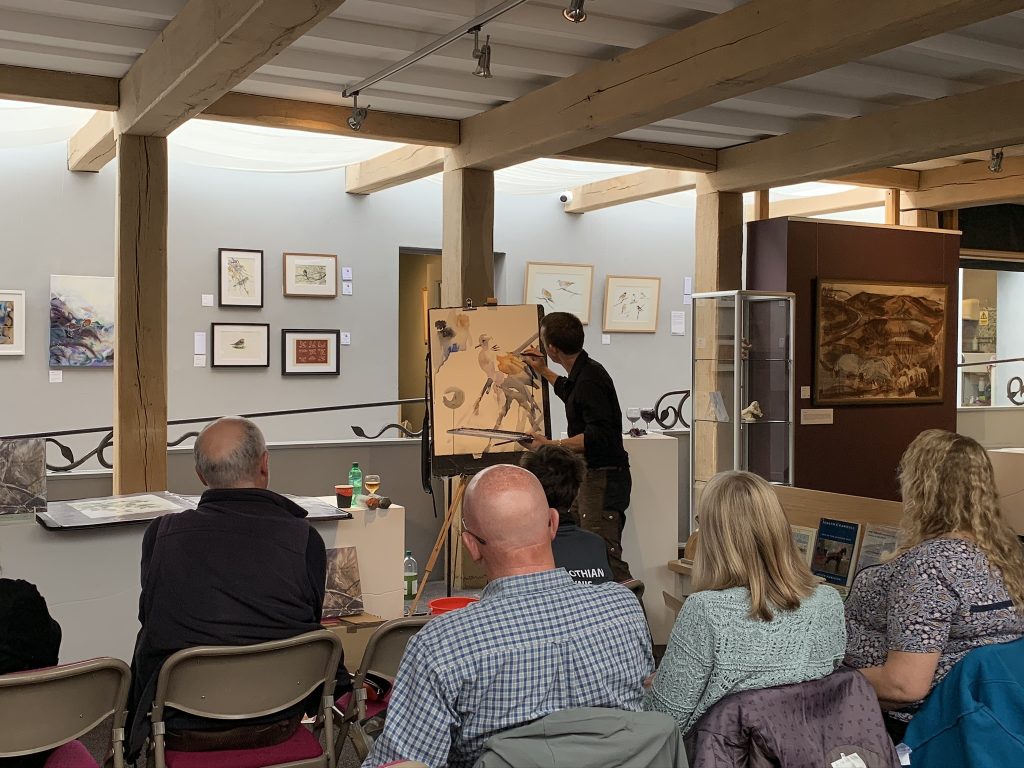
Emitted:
<point x="442" y="535"/>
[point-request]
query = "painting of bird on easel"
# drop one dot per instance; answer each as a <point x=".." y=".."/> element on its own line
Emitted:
<point x="480" y="380"/>
<point x="560" y="287"/>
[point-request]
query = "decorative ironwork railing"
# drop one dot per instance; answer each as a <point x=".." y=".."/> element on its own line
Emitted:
<point x="672" y="415"/>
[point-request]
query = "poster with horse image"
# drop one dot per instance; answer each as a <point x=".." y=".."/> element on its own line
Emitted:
<point x="479" y="380"/>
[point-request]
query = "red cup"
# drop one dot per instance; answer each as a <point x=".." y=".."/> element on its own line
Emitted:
<point x="344" y="495"/>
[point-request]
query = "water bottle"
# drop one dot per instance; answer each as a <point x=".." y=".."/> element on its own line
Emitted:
<point x="355" y="479"/>
<point x="412" y="576"/>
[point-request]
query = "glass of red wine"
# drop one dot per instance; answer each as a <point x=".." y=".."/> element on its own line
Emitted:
<point x="647" y="414"/>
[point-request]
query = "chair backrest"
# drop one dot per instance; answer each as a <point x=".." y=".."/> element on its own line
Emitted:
<point x="636" y="586"/>
<point x="42" y="709"/>
<point x="243" y="682"/>
<point x="386" y="646"/>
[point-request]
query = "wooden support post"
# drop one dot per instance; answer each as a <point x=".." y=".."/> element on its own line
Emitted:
<point x="892" y="206"/>
<point x="467" y="256"/>
<point x="140" y="352"/>
<point x="719" y="264"/>
<point x="949" y="219"/>
<point x="761" y="205"/>
<point x="920" y="217"/>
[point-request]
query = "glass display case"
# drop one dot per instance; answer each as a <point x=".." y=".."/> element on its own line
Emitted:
<point x="743" y="392"/>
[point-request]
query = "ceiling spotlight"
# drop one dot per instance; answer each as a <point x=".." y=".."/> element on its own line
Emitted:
<point x="358" y="116"/>
<point x="995" y="163"/>
<point x="483" y="60"/>
<point x="476" y="42"/>
<point x="575" y="12"/>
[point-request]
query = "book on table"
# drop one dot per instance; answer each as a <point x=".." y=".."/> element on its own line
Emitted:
<point x="835" y="551"/>
<point x="879" y="545"/>
<point x="804" y="538"/>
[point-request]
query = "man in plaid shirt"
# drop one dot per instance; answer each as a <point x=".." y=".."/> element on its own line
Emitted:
<point x="536" y="643"/>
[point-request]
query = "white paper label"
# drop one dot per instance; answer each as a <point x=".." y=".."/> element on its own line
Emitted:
<point x="346" y="337"/>
<point x="805" y="393"/>
<point x="346" y="288"/>
<point x="816" y="416"/>
<point x="346" y="273"/>
<point x="199" y="343"/>
<point x="56" y="377"/>
<point x="679" y="323"/>
<point x="687" y="299"/>
<point x="687" y="285"/>
<point x="207" y="299"/>
<point x="606" y="338"/>
<point x="198" y="361"/>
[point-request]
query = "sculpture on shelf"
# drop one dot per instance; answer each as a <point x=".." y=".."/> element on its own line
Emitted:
<point x="752" y="412"/>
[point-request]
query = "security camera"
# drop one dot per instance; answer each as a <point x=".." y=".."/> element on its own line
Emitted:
<point x="566" y="197"/>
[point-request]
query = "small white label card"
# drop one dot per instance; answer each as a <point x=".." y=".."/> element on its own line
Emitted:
<point x="606" y="338"/>
<point x="687" y="285"/>
<point x="207" y="299"/>
<point x="346" y="337"/>
<point x="346" y="287"/>
<point x="805" y="393"/>
<point x="679" y="323"/>
<point x="56" y="377"/>
<point x="199" y="343"/>
<point x="816" y="416"/>
<point x="198" y="361"/>
<point x="346" y="273"/>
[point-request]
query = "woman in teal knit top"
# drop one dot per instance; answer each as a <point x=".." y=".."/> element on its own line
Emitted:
<point x="756" y="618"/>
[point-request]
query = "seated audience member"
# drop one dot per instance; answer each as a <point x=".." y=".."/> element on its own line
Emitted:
<point x="536" y="643"/>
<point x="244" y="567"/>
<point x="956" y="583"/>
<point x="582" y="553"/>
<point x="756" y="619"/>
<point x="29" y="639"/>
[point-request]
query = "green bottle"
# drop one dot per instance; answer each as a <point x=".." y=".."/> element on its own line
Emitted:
<point x="355" y="479"/>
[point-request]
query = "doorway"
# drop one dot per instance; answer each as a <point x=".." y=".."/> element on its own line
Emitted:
<point x="419" y="289"/>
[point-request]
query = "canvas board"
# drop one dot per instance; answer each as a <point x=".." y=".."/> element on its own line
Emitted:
<point x="240" y="345"/>
<point x="22" y="476"/>
<point x="240" y="277"/>
<point x="560" y="287"/>
<point x="631" y="304"/>
<point x="313" y="275"/>
<point x="82" y="314"/>
<point x="879" y="343"/>
<point x="12" y="322"/>
<point x="343" y="595"/>
<point x="479" y="379"/>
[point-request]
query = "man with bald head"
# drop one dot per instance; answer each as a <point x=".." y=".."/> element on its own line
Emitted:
<point x="536" y="643"/>
<point x="244" y="567"/>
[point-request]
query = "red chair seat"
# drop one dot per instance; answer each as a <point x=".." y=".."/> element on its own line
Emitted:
<point x="373" y="708"/>
<point x="303" y="745"/>
<point x="71" y="755"/>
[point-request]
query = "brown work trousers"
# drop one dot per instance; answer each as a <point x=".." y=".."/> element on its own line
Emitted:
<point x="600" y="508"/>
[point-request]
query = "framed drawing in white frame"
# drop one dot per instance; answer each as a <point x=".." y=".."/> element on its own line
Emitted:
<point x="311" y="275"/>
<point x="310" y="352"/>
<point x="240" y="345"/>
<point x="240" y="277"/>
<point x="560" y="287"/>
<point x="12" y="322"/>
<point x="631" y="304"/>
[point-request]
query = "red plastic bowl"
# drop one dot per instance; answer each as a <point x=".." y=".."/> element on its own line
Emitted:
<point x="446" y="604"/>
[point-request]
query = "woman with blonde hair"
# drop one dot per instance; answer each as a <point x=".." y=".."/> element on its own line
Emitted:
<point x="756" y="619"/>
<point x="955" y="583"/>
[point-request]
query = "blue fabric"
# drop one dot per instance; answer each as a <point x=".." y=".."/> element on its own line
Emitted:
<point x="975" y="716"/>
<point x="533" y="645"/>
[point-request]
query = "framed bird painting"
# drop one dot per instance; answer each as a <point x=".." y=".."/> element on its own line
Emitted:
<point x="240" y="345"/>
<point x="560" y="287"/>
<point x="631" y="304"/>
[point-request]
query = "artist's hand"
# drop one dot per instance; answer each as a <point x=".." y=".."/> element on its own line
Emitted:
<point x="535" y="360"/>
<point x="537" y="441"/>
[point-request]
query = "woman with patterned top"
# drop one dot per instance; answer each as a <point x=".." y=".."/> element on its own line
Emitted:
<point x="756" y="618"/>
<point x="955" y="583"/>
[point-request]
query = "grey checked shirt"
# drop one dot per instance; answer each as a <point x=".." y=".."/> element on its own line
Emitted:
<point x="533" y="645"/>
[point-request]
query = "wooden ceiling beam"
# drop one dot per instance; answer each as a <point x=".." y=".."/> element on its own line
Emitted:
<point x="66" y="89"/>
<point x="206" y="49"/>
<point x="968" y="185"/>
<point x="642" y="185"/>
<point x="966" y="122"/>
<point x="838" y="202"/>
<point x="648" y="154"/>
<point x="394" y="168"/>
<point x="883" y="178"/>
<point x="759" y="44"/>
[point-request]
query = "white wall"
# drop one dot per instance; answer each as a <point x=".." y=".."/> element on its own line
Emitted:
<point x="54" y="221"/>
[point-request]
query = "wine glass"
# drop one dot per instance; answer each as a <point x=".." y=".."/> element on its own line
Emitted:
<point x="633" y="414"/>
<point x="647" y="414"/>
<point x="371" y="483"/>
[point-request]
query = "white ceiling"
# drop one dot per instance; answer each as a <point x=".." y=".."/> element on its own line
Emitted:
<point x="533" y="46"/>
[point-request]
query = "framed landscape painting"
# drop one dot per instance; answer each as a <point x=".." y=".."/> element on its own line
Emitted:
<point x="311" y="274"/>
<point x="631" y="304"/>
<point x="82" y="314"/>
<point x="310" y="352"/>
<point x="240" y="274"/>
<point x="879" y="342"/>
<point x="12" y="322"/>
<point x="240" y="345"/>
<point x="560" y="287"/>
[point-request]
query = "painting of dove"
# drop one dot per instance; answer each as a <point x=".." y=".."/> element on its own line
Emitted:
<point x="560" y="287"/>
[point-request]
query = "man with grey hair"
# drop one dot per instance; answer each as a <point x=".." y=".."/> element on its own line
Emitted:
<point x="244" y="567"/>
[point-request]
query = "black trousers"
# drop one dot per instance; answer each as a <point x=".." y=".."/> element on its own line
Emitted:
<point x="600" y="508"/>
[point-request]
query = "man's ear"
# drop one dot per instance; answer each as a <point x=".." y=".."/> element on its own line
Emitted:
<point x="472" y="546"/>
<point x="202" y="479"/>
<point x="265" y="466"/>
<point x="553" y="522"/>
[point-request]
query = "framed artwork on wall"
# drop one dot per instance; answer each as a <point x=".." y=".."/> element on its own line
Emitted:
<point x="82" y="314"/>
<point x="311" y="274"/>
<point x="879" y="342"/>
<point x="631" y="304"/>
<point x="240" y="345"/>
<point x="12" y="322"/>
<point x="310" y="352"/>
<point x="240" y="277"/>
<point x="560" y="287"/>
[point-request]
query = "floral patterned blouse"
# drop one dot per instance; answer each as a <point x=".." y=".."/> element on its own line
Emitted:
<point x="942" y="595"/>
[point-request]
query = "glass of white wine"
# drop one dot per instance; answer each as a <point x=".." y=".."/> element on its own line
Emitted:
<point x="371" y="483"/>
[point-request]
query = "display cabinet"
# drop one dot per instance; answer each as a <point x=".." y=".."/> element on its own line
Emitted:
<point x="743" y="392"/>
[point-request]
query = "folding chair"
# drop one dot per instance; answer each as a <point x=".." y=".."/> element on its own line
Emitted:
<point x="49" y="709"/>
<point x="383" y="654"/>
<point x="636" y="586"/>
<point x="234" y="683"/>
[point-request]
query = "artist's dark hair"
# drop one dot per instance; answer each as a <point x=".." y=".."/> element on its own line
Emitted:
<point x="564" y="330"/>
<point x="560" y="472"/>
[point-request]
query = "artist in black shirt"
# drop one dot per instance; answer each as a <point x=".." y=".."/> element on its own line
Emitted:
<point x="595" y="430"/>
